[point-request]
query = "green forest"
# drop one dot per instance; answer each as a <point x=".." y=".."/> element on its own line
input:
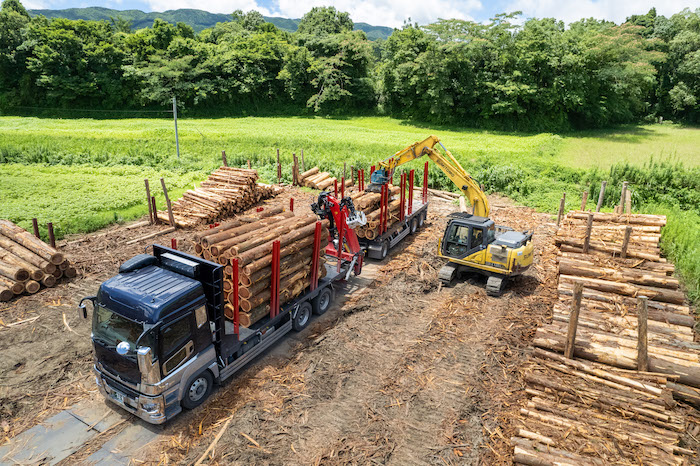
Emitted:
<point x="534" y="75"/>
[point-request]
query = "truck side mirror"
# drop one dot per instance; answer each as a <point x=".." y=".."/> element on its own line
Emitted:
<point x="83" y="308"/>
<point x="150" y="371"/>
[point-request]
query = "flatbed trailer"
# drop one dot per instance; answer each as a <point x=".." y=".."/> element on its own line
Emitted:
<point x="161" y="337"/>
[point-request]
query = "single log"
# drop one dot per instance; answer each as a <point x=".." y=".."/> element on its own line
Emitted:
<point x="258" y="287"/>
<point x="624" y="275"/>
<point x="29" y="241"/>
<point x="642" y="348"/>
<point x="149" y="236"/>
<point x="285" y="263"/>
<point x="634" y="219"/>
<point x="14" y="272"/>
<point x="13" y="286"/>
<point x="9" y="258"/>
<point x="627" y="289"/>
<point x="573" y="321"/>
<point x="307" y="174"/>
<point x="49" y="281"/>
<point x="31" y="287"/>
<point x="246" y="319"/>
<point x="26" y="255"/>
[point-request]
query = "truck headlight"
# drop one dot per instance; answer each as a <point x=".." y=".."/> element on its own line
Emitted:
<point x="98" y="381"/>
<point x="152" y="405"/>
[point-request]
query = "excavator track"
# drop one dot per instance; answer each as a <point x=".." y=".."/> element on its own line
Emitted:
<point x="447" y="274"/>
<point x="495" y="285"/>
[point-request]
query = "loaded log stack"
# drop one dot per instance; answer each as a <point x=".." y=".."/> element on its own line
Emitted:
<point x="226" y="191"/>
<point x="249" y="240"/>
<point x="369" y="203"/>
<point x="317" y="179"/>
<point x="27" y="263"/>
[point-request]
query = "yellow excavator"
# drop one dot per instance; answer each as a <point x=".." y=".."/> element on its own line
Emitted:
<point x="471" y="242"/>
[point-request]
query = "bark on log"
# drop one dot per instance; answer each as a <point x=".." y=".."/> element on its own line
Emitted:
<point x="307" y="174"/>
<point x="285" y="240"/>
<point x="31" y="242"/>
<point x="224" y="234"/>
<point x="14" y="272"/>
<point x="627" y="289"/>
<point x="26" y="254"/>
<point x="13" y="286"/>
<point x="285" y="263"/>
<point x="624" y="275"/>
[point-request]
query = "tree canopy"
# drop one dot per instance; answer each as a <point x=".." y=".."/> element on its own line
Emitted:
<point x="540" y="74"/>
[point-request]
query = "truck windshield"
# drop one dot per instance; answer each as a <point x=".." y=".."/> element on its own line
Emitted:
<point x="110" y="329"/>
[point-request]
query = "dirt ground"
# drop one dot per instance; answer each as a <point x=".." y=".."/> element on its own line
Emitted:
<point x="404" y="372"/>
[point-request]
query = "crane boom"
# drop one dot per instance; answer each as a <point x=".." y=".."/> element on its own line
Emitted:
<point x="447" y="163"/>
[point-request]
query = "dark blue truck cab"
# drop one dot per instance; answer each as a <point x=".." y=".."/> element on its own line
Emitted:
<point x="160" y="337"/>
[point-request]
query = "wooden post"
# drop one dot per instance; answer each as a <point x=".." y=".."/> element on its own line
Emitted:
<point x="52" y="238"/>
<point x="295" y="162"/>
<point x="352" y="174"/>
<point x="156" y="220"/>
<point x="167" y="202"/>
<point x="561" y="211"/>
<point x="303" y="165"/>
<point x="35" y="225"/>
<point x="483" y="188"/>
<point x="345" y="170"/>
<point x="626" y="242"/>
<point x="279" y="168"/>
<point x="151" y="213"/>
<point x="249" y="164"/>
<point x="573" y="321"/>
<point x="642" y="316"/>
<point x="628" y="202"/>
<point x="223" y="158"/>
<point x="587" y="239"/>
<point x="623" y="196"/>
<point x="584" y="199"/>
<point x="601" y="196"/>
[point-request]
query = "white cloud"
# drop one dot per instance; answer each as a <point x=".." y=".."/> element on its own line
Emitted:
<point x="212" y="6"/>
<point x="613" y="10"/>
<point x="386" y="12"/>
<point x="35" y="4"/>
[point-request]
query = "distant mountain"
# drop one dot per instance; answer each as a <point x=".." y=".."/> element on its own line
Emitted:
<point x="198" y="19"/>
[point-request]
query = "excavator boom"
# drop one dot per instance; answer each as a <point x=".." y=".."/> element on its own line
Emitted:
<point x="446" y="162"/>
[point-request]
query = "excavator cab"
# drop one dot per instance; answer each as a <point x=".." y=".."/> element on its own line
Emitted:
<point x="476" y="244"/>
<point x="378" y="179"/>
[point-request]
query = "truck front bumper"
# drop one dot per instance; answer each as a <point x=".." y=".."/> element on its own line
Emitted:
<point x="149" y="408"/>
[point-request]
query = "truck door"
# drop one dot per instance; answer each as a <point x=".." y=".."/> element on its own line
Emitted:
<point x="176" y="343"/>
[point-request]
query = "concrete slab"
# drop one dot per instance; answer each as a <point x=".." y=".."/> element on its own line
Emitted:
<point x="49" y="442"/>
<point x="124" y="446"/>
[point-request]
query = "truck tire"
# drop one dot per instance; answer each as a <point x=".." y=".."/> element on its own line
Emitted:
<point x="322" y="302"/>
<point x="303" y="316"/>
<point x="414" y="225"/>
<point x="421" y="220"/>
<point x="198" y="390"/>
<point x="385" y="249"/>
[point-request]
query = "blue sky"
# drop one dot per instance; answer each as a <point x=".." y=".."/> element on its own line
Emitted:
<point x="395" y="12"/>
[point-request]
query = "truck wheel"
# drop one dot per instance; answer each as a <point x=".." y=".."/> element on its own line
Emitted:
<point x="322" y="302"/>
<point x="421" y="218"/>
<point x="414" y="225"/>
<point x="303" y="317"/>
<point x="385" y="249"/>
<point x="198" y="389"/>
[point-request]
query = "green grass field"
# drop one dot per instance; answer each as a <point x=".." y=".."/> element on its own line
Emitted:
<point x="83" y="174"/>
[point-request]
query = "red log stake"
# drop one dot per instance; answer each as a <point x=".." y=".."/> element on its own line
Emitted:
<point x="236" y="319"/>
<point x="291" y="204"/>
<point x="425" y="183"/>
<point x="275" y="280"/>
<point x="315" y="256"/>
<point x="335" y="187"/>
<point x="411" y="176"/>
<point x="173" y="243"/>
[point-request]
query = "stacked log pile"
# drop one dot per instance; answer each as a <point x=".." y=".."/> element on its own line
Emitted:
<point x="369" y="203"/>
<point x="226" y="191"/>
<point x="27" y="263"/>
<point x="585" y="413"/>
<point x="317" y="179"/>
<point x="250" y="241"/>
<point x="621" y="310"/>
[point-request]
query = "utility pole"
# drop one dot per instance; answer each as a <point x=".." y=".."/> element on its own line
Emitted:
<point x="177" y="140"/>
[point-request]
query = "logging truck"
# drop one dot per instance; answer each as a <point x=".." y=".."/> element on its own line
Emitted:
<point x="160" y="331"/>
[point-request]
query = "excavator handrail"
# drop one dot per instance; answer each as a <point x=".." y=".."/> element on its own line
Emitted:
<point x="448" y="164"/>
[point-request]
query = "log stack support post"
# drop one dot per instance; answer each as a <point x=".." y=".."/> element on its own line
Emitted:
<point x="341" y="238"/>
<point x="234" y="280"/>
<point x="295" y="175"/>
<point x="167" y="201"/>
<point x="601" y="196"/>
<point x="345" y="171"/>
<point x="562" y="202"/>
<point x="352" y="175"/>
<point x="279" y="168"/>
<point x="589" y="229"/>
<point x="291" y="204"/>
<point x="425" y="183"/>
<point x="173" y="243"/>
<point x="623" y="196"/>
<point x="335" y="188"/>
<point x="151" y="215"/>
<point x="223" y="159"/>
<point x="642" y="348"/>
<point x="573" y="321"/>
<point x="156" y="220"/>
<point x="275" y="280"/>
<point x="584" y="200"/>
<point x="52" y="238"/>
<point x="35" y="226"/>
<point x="626" y="242"/>
<point x="249" y="164"/>
<point x="342" y="187"/>
<point x="411" y="179"/>
<point x="361" y="178"/>
<point x="371" y="170"/>
<point x="303" y="166"/>
<point x="316" y="256"/>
